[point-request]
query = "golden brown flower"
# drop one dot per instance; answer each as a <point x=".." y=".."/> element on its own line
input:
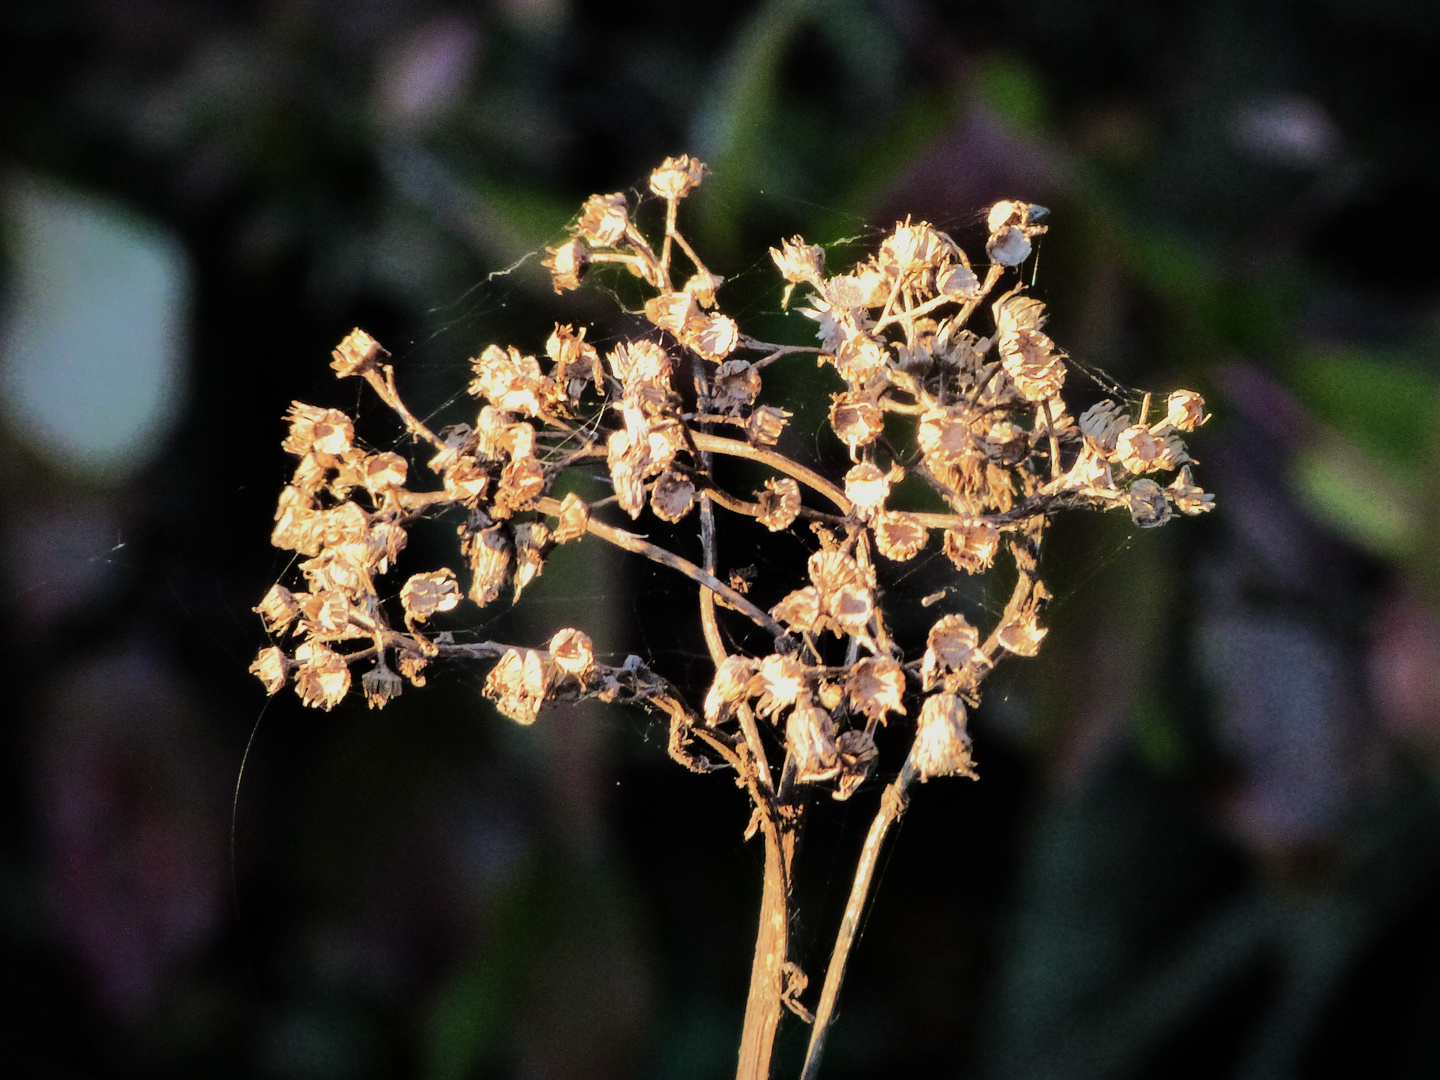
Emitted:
<point x="899" y="536"/>
<point x="867" y="488"/>
<point x="1185" y="409"/>
<point x="1141" y="450"/>
<point x="810" y="737"/>
<point x="385" y="472"/>
<point x="427" y="594"/>
<point x="531" y="540"/>
<point x="799" y="262"/>
<point x="677" y="313"/>
<point x="702" y="285"/>
<point x="942" y="743"/>
<point x="270" y="668"/>
<point x="714" y="338"/>
<point x="777" y="683"/>
<point x="765" y="425"/>
<point x="357" y="354"/>
<point x="1022" y="634"/>
<point x="944" y="435"/>
<point x="518" y="685"/>
<point x="573" y="520"/>
<point x="1028" y="356"/>
<point x="576" y="361"/>
<point x="734" y="387"/>
<point x="573" y="653"/>
<point x="729" y="689"/>
<point x="851" y="607"/>
<point x="972" y="547"/>
<point x="677" y="176"/>
<point x="779" y="503"/>
<point x="1188" y="498"/>
<point x="567" y="264"/>
<point x="489" y="552"/>
<point x="603" y="219"/>
<point x="278" y="609"/>
<point x="875" y="687"/>
<point x="522" y="481"/>
<point x="857" y="758"/>
<point x="950" y="647"/>
<point x="800" y="610"/>
<point x="322" y="678"/>
<point x="328" y="431"/>
<point x="508" y="379"/>
<point x="831" y="568"/>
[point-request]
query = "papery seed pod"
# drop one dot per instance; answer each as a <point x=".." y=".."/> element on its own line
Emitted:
<point x="810" y="737"/>
<point x="899" y="536"/>
<point x="942" y="743"/>
<point x="1141" y="450"/>
<point x="1022" y="634"/>
<point x="576" y="361"/>
<point x="278" y="609"/>
<point x="677" y="176"/>
<point x="867" y="488"/>
<point x="1148" y="506"/>
<point x="428" y="594"/>
<point x="270" y="668"/>
<point x="859" y="359"/>
<point x="944" y="436"/>
<point x="531" y="540"/>
<point x="1102" y="424"/>
<point x="603" y="219"/>
<point x="1008" y="246"/>
<point x="958" y="283"/>
<point x="779" y="503"/>
<point x="1029" y="356"/>
<point x="972" y="547"/>
<point x="456" y="441"/>
<point x="799" y="262"/>
<point x="573" y="653"/>
<point x="857" y="758"/>
<point x="466" y="480"/>
<point x="801" y="610"/>
<point x="567" y="264"/>
<point x="489" y="551"/>
<point x="951" y="645"/>
<point x="702" y="285"/>
<point x="765" y="425"/>
<point x="357" y="354"/>
<point x="518" y="685"/>
<point x="1188" y="498"/>
<point x="1185" y="409"/>
<point x="322" y="678"/>
<point x="640" y="362"/>
<point x="385" y="472"/>
<point x="573" y="520"/>
<point x="729" y="688"/>
<point x="777" y="683"/>
<point x="875" y="687"/>
<point x="734" y="387"/>
<point x="380" y="685"/>
<point x="627" y="472"/>
<point x="715" y="338"/>
<point x="672" y="497"/>
<point x="856" y="418"/>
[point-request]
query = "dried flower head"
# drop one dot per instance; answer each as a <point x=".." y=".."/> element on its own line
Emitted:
<point x="604" y="219"/>
<point x="573" y="654"/>
<point x="518" y="685"/>
<point x="425" y="595"/>
<point x="942" y="743"/>
<point x="677" y="177"/>
<point x="779" y="503"/>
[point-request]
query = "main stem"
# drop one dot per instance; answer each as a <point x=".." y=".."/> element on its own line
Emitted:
<point x="766" y="1000"/>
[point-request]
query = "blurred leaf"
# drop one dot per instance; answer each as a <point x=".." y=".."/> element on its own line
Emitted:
<point x="1358" y="499"/>
<point x="1011" y="88"/>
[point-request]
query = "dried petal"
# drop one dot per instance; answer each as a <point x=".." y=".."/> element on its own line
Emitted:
<point x="508" y="379"/>
<point x="799" y="262"/>
<point x="531" y="540"/>
<point x="831" y="569"/>
<point x="1029" y="357"/>
<point x="1185" y="409"/>
<point x="1022" y="635"/>
<point x="800" y="610"/>
<point x="944" y="436"/>
<point x="777" y="684"/>
<point x="1008" y="246"/>
<point x="958" y="283"/>
<point x="1188" y="498"/>
<point x="715" y="338"/>
<point x="640" y="361"/>
<point x="851" y="607"/>
<point x="576" y="361"/>
<point x="702" y="285"/>
<point x="677" y="313"/>
<point x="1141" y="450"/>
<point x="875" y="687"/>
<point x="1102" y="424"/>
<point x="270" y="668"/>
<point x="942" y="743"/>
<point x="489" y="552"/>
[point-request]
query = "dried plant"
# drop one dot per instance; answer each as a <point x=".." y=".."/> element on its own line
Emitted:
<point x="979" y="419"/>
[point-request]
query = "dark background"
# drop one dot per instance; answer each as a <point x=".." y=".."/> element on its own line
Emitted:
<point x="1207" y="841"/>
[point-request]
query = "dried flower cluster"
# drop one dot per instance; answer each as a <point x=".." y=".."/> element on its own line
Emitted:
<point x="975" y="413"/>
